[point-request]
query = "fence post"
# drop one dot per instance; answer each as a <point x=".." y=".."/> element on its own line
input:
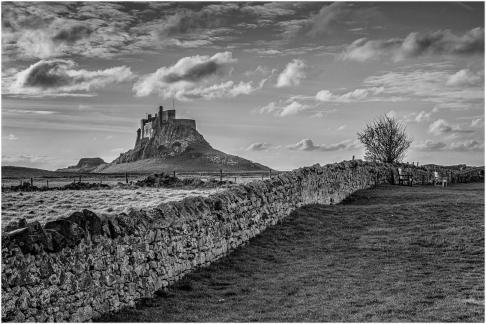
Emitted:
<point x="31" y="182"/>
<point x="174" y="173"/>
<point x="220" y="175"/>
<point x="270" y="173"/>
<point x="80" y="179"/>
<point x="353" y="157"/>
<point x="126" y="177"/>
<point x="47" y="186"/>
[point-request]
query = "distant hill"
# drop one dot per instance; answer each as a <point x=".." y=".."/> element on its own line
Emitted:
<point x="84" y="165"/>
<point x="18" y="172"/>
<point x="458" y="167"/>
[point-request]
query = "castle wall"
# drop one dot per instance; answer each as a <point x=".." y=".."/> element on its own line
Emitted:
<point x="168" y="115"/>
<point x="185" y="122"/>
<point x="113" y="262"/>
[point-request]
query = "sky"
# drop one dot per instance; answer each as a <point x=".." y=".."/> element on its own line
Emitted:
<point x="285" y="84"/>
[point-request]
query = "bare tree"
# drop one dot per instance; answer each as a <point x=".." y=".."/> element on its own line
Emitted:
<point x="385" y="140"/>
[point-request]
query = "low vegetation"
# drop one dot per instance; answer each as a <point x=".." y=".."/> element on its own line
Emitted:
<point x="385" y="140"/>
<point x="45" y="206"/>
<point x="393" y="253"/>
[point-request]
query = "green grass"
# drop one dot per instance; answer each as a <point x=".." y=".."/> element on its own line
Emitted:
<point x="389" y="254"/>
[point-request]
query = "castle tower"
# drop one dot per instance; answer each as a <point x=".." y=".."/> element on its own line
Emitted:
<point x="171" y="114"/>
<point x="139" y="131"/>
<point x="161" y="109"/>
<point x="141" y="126"/>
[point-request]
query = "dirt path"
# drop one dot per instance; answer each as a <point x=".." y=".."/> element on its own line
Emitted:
<point x="388" y="254"/>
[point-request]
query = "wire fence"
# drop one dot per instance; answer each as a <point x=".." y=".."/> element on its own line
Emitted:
<point x="54" y="182"/>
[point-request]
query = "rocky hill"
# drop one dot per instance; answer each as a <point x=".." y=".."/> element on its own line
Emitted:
<point x="84" y="165"/>
<point x="175" y="145"/>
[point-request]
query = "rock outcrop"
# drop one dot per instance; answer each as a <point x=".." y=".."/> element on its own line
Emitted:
<point x="175" y="144"/>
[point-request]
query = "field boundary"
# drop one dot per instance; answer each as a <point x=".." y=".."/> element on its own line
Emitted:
<point x="79" y="268"/>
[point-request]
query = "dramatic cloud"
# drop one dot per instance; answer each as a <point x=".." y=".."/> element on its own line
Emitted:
<point x="50" y="30"/>
<point x="59" y="77"/>
<point x="442" y="42"/>
<point x="72" y="34"/>
<point x="351" y="96"/>
<point x="189" y="79"/>
<point x="338" y="16"/>
<point x="327" y="15"/>
<point x="292" y="75"/>
<point x="308" y="145"/>
<point x="466" y="78"/>
<point x="259" y="147"/>
<point x="285" y="109"/>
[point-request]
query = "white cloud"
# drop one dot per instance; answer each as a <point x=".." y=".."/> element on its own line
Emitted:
<point x="29" y="112"/>
<point x="442" y="127"/>
<point x="465" y="77"/>
<point x="59" y="77"/>
<point x="422" y="116"/>
<point x="259" y="147"/>
<point x="425" y="85"/>
<point x="439" y="127"/>
<point x="356" y="95"/>
<point x="467" y="145"/>
<point x="362" y="50"/>
<point x="292" y="75"/>
<point x="458" y="146"/>
<point x="308" y="145"/>
<point x="429" y="145"/>
<point x="477" y="122"/>
<point x="12" y="137"/>
<point x="283" y="110"/>
<point x="227" y="89"/>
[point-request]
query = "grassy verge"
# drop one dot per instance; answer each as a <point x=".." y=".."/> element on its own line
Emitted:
<point x="387" y="254"/>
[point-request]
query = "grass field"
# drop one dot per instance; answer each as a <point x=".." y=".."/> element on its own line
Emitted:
<point x="44" y="206"/>
<point x="387" y="254"/>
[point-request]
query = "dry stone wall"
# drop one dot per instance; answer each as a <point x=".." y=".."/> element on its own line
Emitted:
<point x="76" y="269"/>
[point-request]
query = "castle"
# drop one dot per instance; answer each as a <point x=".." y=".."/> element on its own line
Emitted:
<point x="149" y="125"/>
